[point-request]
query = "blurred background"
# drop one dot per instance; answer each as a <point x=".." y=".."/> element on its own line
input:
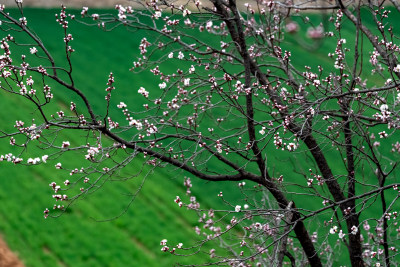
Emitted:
<point x="69" y="3"/>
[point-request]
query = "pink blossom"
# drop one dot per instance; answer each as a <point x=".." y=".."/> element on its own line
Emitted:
<point x="315" y="33"/>
<point x="292" y="27"/>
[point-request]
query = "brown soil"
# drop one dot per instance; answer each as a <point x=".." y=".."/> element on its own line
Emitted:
<point x="80" y="3"/>
<point x="68" y="3"/>
<point x="7" y="257"/>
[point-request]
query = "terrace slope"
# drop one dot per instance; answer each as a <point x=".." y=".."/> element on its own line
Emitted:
<point x="77" y="238"/>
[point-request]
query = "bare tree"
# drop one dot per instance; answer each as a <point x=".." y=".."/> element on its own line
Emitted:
<point x="238" y="102"/>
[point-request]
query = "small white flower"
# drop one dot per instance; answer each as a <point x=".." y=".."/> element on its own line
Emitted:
<point x="44" y="158"/>
<point x="171" y="55"/>
<point x="341" y="234"/>
<point x="30" y="81"/>
<point x="136" y="123"/>
<point x="384" y="107"/>
<point x="354" y="230"/>
<point x="192" y="69"/>
<point x="312" y="111"/>
<point x="122" y="105"/>
<point x="84" y="11"/>
<point x="33" y="161"/>
<point x="238" y="208"/>
<point x="157" y="14"/>
<point x="397" y="68"/>
<point x="143" y="92"/>
<point x="383" y="134"/>
<point x="262" y="131"/>
<point x="291" y="146"/>
<point x="333" y="230"/>
<point x="186" y="12"/>
<point x="33" y="50"/>
<point x="121" y="16"/>
<point x="65" y="144"/>
<point x="186" y="82"/>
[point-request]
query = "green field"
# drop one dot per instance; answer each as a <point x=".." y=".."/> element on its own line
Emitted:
<point x="131" y="238"/>
<point x="78" y="238"/>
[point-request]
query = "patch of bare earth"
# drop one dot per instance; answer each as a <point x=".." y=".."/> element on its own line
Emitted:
<point x="7" y="257"/>
<point x="68" y="3"/>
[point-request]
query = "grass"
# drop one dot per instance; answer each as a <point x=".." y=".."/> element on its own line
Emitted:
<point x="77" y="238"/>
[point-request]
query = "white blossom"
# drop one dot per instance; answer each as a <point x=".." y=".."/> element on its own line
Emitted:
<point x="384" y="107"/>
<point x="262" y="131"/>
<point x="44" y="158"/>
<point x="136" y="123"/>
<point x="209" y="25"/>
<point x="33" y="161"/>
<point x="157" y="14"/>
<point x="33" y="50"/>
<point x="291" y="146"/>
<point x="341" y="234"/>
<point x="354" y="230"/>
<point x="122" y="105"/>
<point x="186" y="82"/>
<point x="191" y="69"/>
<point x="186" y="12"/>
<point x="65" y="144"/>
<point x="383" y="134"/>
<point x="143" y="92"/>
<point x="333" y="230"/>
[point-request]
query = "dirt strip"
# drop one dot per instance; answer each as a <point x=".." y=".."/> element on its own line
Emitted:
<point x="7" y="257"/>
<point x="68" y="3"/>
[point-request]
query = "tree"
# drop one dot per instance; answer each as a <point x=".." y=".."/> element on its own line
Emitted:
<point x="239" y="104"/>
